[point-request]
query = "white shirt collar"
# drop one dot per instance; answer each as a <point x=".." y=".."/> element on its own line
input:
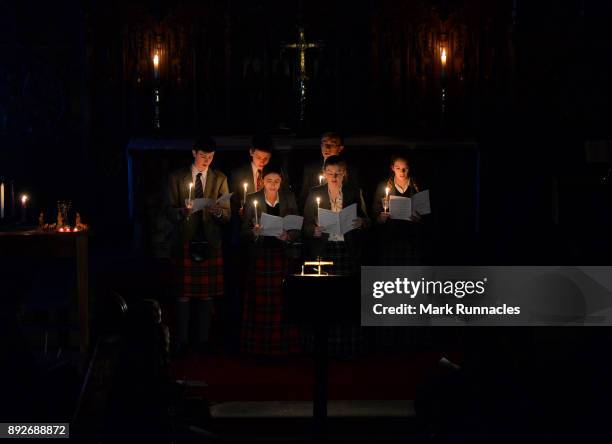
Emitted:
<point x="399" y="188"/>
<point x="194" y="174"/>
<point x="275" y="203"/>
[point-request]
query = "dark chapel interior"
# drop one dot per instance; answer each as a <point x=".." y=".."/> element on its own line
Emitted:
<point x="509" y="129"/>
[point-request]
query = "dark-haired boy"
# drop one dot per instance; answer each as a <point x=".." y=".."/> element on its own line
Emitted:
<point x="197" y="240"/>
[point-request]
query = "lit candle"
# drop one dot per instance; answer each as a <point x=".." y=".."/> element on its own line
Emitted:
<point x="386" y="202"/>
<point x="2" y="200"/>
<point x="245" y="185"/>
<point x="255" y="205"/>
<point x="320" y="179"/>
<point x="318" y="204"/>
<point x="189" y="200"/>
<point x="443" y="57"/>
<point x="156" y="65"/>
<point x="24" y="200"/>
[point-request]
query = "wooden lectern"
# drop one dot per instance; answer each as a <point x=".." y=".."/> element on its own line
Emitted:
<point x="320" y="301"/>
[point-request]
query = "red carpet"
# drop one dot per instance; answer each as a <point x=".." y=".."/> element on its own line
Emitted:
<point x="233" y="378"/>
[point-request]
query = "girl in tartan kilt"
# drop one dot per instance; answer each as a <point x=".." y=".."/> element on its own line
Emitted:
<point x="345" y="340"/>
<point x="197" y="256"/>
<point x="398" y="242"/>
<point x="265" y="331"/>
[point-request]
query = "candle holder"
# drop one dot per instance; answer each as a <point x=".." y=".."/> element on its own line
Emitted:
<point x="63" y="213"/>
<point x="385" y="204"/>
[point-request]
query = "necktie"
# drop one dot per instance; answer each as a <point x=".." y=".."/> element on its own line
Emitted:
<point x="259" y="180"/>
<point x="199" y="189"/>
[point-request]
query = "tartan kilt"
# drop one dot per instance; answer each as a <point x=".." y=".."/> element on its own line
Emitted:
<point x="344" y="263"/>
<point x="199" y="280"/>
<point x="264" y="328"/>
<point x="345" y="340"/>
<point x="399" y="246"/>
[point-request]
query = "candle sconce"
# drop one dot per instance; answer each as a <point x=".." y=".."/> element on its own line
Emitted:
<point x="157" y="59"/>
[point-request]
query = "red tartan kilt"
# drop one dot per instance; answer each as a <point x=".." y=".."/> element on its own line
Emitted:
<point x="264" y="330"/>
<point x="200" y="280"/>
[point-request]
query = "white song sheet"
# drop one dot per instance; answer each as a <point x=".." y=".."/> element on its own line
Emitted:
<point x="205" y="202"/>
<point x="274" y="225"/>
<point x="337" y="223"/>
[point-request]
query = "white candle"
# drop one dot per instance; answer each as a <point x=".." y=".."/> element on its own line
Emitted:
<point x="386" y="199"/>
<point x="245" y="185"/>
<point x="320" y="179"/>
<point x="255" y="205"/>
<point x="189" y="200"/>
<point x="2" y="200"/>
<point x="318" y="203"/>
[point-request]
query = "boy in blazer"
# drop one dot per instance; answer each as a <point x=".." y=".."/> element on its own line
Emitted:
<point x="197" y="241"/>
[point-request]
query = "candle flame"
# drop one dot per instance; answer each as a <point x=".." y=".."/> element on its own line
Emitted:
<point x="156" y="60"/>
<point x="443" y="56"/>
<point x="24" y="199"/>
<point x="320" y="179"/>
<point x="387" y="190"/>
<point x="255" y="202"/>
<point x="245" y="186"/>
<point x="190" y="184"/>
<point x="318" y="200"/>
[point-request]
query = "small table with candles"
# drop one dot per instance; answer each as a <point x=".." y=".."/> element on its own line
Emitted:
<point x="320" y="300"/>
<point x="27" y="242"/>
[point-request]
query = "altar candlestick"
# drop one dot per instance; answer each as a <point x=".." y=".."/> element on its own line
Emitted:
<point x="189" y="200"/>
<point x="245" y="185"/>
<point x="255" y="205"/>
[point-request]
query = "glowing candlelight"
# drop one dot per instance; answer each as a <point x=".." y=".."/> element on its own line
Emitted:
<point x="255" y="205"/>
<point x="246" y="186"/>
<point x="320" y="179"/>
<point x="2" y="200"/>
<point x="189" y="200"/>
<point x="386" y="202"/>
<point x="156" y="65"/>
<point x="443" y="57"/>
<point x="318" y="205"/>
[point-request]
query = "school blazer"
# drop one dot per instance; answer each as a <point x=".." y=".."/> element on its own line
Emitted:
<point x="244" y="174"/>
<point x="287" y="206"/>
<point x="178" y="191"/>
<point x="354" y="238"/>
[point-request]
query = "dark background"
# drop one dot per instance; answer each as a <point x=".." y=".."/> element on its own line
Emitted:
<point x="526" y="82"/>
